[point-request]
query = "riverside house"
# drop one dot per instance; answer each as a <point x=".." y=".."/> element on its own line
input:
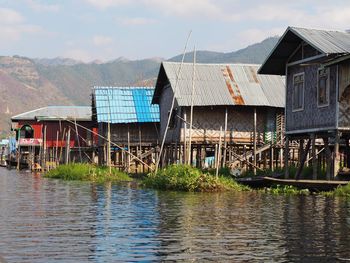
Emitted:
<point x="54" y="134"/>
<point x="233" y="98"/>
<point x="316" y="64"/>
<point x="127" y="115"/>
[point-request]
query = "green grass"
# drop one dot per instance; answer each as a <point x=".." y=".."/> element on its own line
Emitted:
<point x="187" y="178"/>
<point x="340" y="191"/>
<point x="86" y="172"/>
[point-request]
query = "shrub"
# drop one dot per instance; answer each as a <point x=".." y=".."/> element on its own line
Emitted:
<point x="286" y="189"/>
<point x="187" y="178"/>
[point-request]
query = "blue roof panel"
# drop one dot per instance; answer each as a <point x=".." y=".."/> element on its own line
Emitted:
<point x="125" y="104"/>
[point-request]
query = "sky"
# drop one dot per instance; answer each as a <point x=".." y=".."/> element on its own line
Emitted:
<point x="104" y="30"/>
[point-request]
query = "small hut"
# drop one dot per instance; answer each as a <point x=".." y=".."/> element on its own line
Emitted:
<point x="53" y="134"/>
<point x="233" y="98"/>
<point x="316" y="64"/>
<point x="127" y="116"/>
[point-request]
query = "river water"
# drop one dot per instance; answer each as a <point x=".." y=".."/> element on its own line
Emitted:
<point x="44" y="220"/>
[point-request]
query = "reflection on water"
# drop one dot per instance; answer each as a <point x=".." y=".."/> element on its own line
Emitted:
<point x="53" y="221"/>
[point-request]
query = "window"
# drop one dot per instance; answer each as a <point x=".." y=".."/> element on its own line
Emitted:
<point x="27" y="132"/>
<point x="298" y="92"/>
<point x="323" y="87"/>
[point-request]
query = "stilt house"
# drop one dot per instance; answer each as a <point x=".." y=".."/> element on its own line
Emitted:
<point x="230" y="97"/>
<point x="316" y="64"/>
<point x="127" y="114"/>
<point x="54" y="134"/>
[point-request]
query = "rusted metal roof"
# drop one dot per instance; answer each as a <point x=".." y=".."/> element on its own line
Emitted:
<point x="221" y="84"/>
<point x="326" y="42"/>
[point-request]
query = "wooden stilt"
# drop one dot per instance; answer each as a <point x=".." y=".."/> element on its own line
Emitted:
<point x="328" y="158"/>
<point x="314" y="156"/>
<point x="254" y="143"/>
<point x="336" y="156"/>
<point x="303" y="159"/>
<point x="225" y="137"/>
<point x="286" y="158"/>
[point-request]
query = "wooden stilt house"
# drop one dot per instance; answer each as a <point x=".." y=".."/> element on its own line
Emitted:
<point x="55" y="134"/>
<point x="126" y="116"/>
<point x="233" y="98"/>
<point x="316" y="64"/>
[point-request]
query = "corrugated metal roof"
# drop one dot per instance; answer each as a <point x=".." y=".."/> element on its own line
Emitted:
<point x="223" y="84"/>
<point x="125" y="104"/>
<point x="82" y="113"/>
<point x="326" y="42"/>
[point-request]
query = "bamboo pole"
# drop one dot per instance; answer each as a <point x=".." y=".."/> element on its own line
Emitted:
<point x="61" y="148"/>
<point x="109" y="163"/>
<point x="218" y="163"/>
<point x="191" y="112"/>
<point x="56" y="150"/>
<point x="172" y="103"/>
<point x="254" y="142"/>
<point x="67" y="146"/>
<point x="129" y="150"/>
<point x="185" y="137"/>
<point x="225" y="141"/>
<point x="78" y="140"/>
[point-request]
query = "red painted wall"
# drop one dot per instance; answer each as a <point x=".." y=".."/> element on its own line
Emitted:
<point x="54" y="128"/>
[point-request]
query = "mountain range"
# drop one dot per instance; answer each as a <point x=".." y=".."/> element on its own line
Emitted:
<point x="30" y="83"/>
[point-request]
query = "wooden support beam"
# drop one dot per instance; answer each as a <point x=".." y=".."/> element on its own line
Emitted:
<point x="286" y="158"/>
<point x="225" y="138"/>
<point x="328" y="158"/>
<point x="254" y="142"/>
<point x="314" y="156"/>
<point x="336" y="156"/>
<point x="303" y="159"/>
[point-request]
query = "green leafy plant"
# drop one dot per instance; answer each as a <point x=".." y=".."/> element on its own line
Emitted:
<point x="187" y="178"/>
<point x="86" y="172"/>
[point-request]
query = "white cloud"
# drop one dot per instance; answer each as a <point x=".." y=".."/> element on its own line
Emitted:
<point x="12" y="26"/>
<point x="136" y="21"/>
<point x="40" y="7"/>
<point x="10" y="16"/>
<point x="99" y="40"/>
<point x="103" y="4"/>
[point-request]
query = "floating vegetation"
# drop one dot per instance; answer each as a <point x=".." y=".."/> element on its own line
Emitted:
<point x="187" y="178"/>
<point x="286" y="190"/>
<point x="86" y="172"/>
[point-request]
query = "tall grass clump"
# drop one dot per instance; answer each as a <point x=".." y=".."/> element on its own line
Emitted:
<point x="341" y="191"/>
<point x="187" y="178"/>
<point x="86" y="172"/>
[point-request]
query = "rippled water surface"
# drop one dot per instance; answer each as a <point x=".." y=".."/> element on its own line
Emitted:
<point x="54" y="221"/>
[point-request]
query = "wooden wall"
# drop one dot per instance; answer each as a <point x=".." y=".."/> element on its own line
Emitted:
<point x="240" y="124"/>
<point x="312" y="117"/>
<point x="146" y="132"/>
<point x="344" y="95"/>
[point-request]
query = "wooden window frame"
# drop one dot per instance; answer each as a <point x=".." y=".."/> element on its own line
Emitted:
<point x="327" y="87"/>
<point x="303" y="92"/>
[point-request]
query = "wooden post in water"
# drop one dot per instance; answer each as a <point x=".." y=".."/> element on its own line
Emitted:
<point x="191" y="111"/>
<point x="68" y="147"/>
<point x="336" y="156"/>
<point x="185" y="137"/>
<point x="254" y="142"/>
<point x="314" y="156"/>
<point x="286" y="158"/>
<point x="129" y="150"/>
<point x="44" y="148"/>
<point x="56" y="150"/>
<point x="218" y="163"/>
<point x="225" y="141"/>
